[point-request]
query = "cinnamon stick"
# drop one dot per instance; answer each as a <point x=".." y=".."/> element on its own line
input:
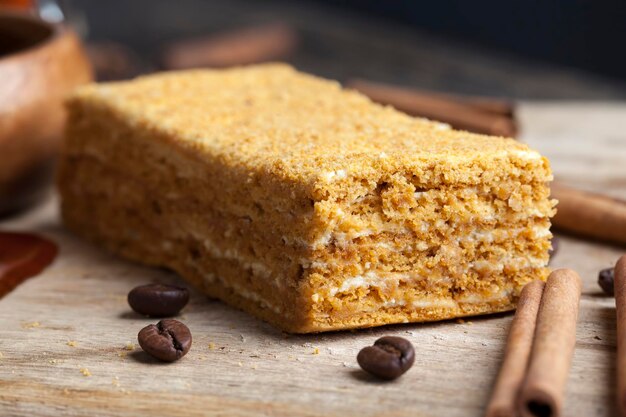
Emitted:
<point x="541" y="394"/>
<point x="237" y="47"/>
<point x="518" y="346"/>
<point x="478" y="115"/>
<point x="620" y="303"/>
<point x="488" y="104"/>
<point x="589" y="214"/>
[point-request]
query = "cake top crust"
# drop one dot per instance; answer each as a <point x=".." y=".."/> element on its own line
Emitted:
<point x="272" y="118"/>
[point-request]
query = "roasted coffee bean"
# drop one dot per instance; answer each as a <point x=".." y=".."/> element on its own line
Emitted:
<point x="606" y="280"/>
<point x="158" y="300"/>
<point x="168" y="340"/>
<point x="389" y="358"/>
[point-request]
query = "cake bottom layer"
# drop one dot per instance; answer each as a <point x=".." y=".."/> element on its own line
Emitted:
<point x="120" y="220"/>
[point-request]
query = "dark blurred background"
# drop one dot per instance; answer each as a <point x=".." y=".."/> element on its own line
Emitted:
<point x="532" y="49"/>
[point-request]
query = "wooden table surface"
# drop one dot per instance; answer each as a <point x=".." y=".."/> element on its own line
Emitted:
<point x="68" y="338"/>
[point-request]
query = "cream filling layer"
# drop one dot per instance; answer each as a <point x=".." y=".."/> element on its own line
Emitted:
<point x="448" y="303"/>
<point x="383" y="280"/>
<point x="343" y="239"/>
<point x="483" y="236"/>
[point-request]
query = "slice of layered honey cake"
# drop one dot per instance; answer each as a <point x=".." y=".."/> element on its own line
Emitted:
<point x="304" y="204"/>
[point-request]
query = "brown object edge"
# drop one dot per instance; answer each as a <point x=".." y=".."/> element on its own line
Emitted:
<point x="620" y="304"/>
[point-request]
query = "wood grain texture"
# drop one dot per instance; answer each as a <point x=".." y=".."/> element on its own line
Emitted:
<point x="240" y="366"/>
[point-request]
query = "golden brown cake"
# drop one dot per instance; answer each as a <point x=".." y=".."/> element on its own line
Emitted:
<point x="304" y="204"/>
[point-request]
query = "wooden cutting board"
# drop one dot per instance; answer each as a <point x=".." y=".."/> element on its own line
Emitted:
<point x="68" y="338"/>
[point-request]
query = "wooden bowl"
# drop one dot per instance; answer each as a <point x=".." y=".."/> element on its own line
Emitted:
<point x="39" y="64"/>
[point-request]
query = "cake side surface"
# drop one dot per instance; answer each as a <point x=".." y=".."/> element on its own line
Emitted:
<point x="302" y="203"/>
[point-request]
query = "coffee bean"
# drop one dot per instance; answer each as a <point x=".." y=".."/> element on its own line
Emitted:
<point x="168" y="340"/>
<point x="389" y="358"/>
<point x="158" y="300"/>
<point x="606" y="280"/>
